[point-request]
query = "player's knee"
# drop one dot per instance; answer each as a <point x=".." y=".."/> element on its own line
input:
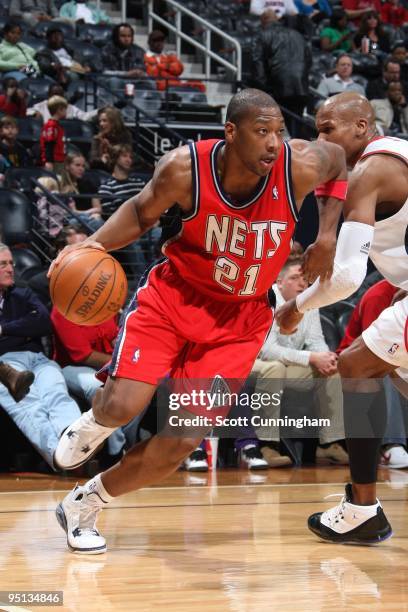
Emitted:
<point x="179" y="448"/>
<point x="115" y="407"/>
<point x="347" y="366"/>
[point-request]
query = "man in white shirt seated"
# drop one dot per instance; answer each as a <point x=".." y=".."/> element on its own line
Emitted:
<point x="295" y="362"/>
<point x="40" y="109"/>
<point x="341" y="80"/>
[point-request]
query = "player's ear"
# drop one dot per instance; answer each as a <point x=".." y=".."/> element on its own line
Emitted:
<point x="230" y="131"/>
<point x="361" y="127"/>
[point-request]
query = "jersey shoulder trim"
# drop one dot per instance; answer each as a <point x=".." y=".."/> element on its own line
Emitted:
<point x="195" y="191"/>
<point x="288" y="181"/>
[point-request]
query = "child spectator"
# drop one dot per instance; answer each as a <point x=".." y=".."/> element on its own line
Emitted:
<point x="394" y="13"/>
<point x="12" y="152"/>
<point x="51" y="216"/>
<point x="52" y="144"/>
<point x="13" y="100"/>
<point x="89" y="210"/>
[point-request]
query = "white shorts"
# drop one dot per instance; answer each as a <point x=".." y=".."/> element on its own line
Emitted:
<point x="387" y="336"/>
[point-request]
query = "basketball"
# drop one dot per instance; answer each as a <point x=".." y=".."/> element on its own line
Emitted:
<point x="88" y="286"/>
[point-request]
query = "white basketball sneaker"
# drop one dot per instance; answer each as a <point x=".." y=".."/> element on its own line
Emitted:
<point x="350" y="523"/>
<point x="80" y="441"/>
<point x="77" y="514"/>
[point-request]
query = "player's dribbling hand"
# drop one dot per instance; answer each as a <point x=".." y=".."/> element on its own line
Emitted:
<point x="73" y="247"/>
<point x="318" y="261"/>
<point x="288" y="317"/>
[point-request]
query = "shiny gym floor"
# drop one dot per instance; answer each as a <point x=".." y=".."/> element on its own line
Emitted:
<point x="225" y="541"/>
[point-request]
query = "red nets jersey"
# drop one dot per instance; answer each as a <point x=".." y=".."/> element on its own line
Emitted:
<point x="234" y="251"/>
<point x="52" y="131"/>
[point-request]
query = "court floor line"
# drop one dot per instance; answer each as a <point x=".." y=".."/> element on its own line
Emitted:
<point x="198" y="486"/>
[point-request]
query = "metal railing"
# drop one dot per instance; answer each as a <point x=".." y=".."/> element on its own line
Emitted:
<point x="235" y="66"/>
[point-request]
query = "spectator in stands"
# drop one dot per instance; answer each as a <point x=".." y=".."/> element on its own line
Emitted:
<point x="12" y="152"/>
<point x="399" y="54"/>
<point x="371" y="29"/>
<point x="355" y="9"/>
<point x="52" y="146"/>
<point x="89" y="210"/>
<point x="112" y="131"/>
<point x="14" y="99"/>
<point x="394" y="13"/>
<point x="304" y="361"/>
<point x="166" y="65"/>
<point x="47" y="410"/>
<point x="122" y="55"/>
<point x="377" y="88"/>
<point x="51" y="216"/>
<point x="57" y="61"/>
<point x="16" y="58"/>
<point x="82" y="350"/>
<point x="33" y="11"/>
<point x="281" y="63"/>
<point x="115" y="191"/>
<point x="336" y="36"/>
<point x="391" y="113"/>
<point x="40" y="110"/>
<point x="279" y="7"/>
<point x="341" y="80"/>
<point x="316" y="10"/>
<point x="373" y="302"/>
<point x="81" y="11"/>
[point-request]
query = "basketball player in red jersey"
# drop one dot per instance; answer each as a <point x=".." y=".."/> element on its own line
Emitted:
<point x="203" y="312"/>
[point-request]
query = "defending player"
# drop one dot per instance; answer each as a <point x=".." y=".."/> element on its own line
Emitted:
<point x="376" y="220"/>
<point x="203" y="312"/>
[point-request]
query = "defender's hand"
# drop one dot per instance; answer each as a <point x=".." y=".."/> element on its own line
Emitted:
<point x="288" y="317"/>
<point x="318" y="261"/>
<point x="73" y="247"/>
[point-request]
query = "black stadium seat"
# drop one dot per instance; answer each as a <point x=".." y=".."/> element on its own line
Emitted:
<point x="42" y="28"/>
<point x="26" y="263"/>
<point x="20" y="178"/>
<point x="79" y="133"/>
<point x="96" y="34"/>
<point x="37" y="88"/>
<point x="15" y="216"/>
<point x="29" y="130"/>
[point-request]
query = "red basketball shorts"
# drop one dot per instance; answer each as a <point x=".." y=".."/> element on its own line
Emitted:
<point x="172" y="330"/>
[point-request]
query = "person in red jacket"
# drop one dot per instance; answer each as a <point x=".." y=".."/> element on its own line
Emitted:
<point x="376" y="299"/>
<point x="166" y="65"/>
<point x="13" y="100"/>
<point x="52" y="144"/>
<point x="394" y="13"/>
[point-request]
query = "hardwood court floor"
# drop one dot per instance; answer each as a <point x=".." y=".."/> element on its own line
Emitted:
<point x="237" y="543"/>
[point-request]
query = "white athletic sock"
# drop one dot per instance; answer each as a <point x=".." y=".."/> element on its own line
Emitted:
<point x="95" y="486"/>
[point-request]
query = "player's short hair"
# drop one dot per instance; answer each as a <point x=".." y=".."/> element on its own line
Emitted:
<point x="55" y="103"/>
<point x="246" y="100"/>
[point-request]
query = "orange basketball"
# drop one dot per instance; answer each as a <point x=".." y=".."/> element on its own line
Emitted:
<point x="88" y="286"/>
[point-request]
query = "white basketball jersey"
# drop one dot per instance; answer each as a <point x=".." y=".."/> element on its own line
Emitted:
<point x="389" y="249"/>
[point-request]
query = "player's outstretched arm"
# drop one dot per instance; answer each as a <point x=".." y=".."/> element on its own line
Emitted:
<point x="321" y="167"/>
<point x="353" y="245"/>
<point x="171" y="182"/>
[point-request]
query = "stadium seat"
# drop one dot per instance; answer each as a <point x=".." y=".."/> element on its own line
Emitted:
<point x="15" y="216"/>
<point x="33" y="41"/>
<point x="37" y="88"/>
<point x="85" y="53"/>
<point x="96" y="177"/>
<point x="78" y="133"/>
<point x="26" y="263"/>
<point x="20" y="178"/>
<point x="42" y="28"/>
<point x="99" y="35"/>
<point x="29" y="130"/>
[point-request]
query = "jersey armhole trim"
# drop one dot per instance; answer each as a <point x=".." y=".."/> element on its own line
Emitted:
<point x="195" y="190"/>
<point x="288" y="182"/>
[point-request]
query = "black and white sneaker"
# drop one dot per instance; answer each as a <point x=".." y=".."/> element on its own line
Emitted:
<point x="252" y="458"/>
<point x="349" y="523"/>
<point x="197" y="461"/>
<point x="77" y="514"/>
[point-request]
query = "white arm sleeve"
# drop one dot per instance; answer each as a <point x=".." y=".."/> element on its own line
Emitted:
<point x="349" y="269"/>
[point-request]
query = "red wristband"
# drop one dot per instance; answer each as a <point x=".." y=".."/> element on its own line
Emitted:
<point x="332" y="189"/>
